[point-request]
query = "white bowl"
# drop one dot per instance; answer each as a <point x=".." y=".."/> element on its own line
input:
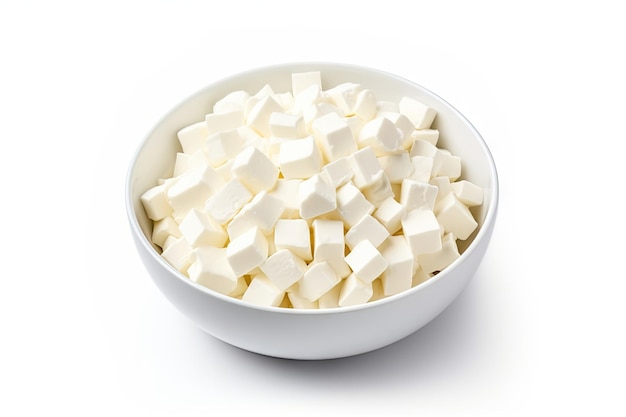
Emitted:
<point x="307" y="334"/>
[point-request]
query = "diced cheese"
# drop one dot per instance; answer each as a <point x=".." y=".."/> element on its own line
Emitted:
<point x="255" y="170"/>
<point x="284" y="268"/>
<point x="299" y="158"/>
<point x="398" y="276"/>
<point x="317" y="197"/>
<point x="366" y="261"/>
<point x="247" y="251"/>
<point x="294" y="234"/>
<point x="317" y="280"/>
<point x="354" y="291"/>
<point x="211" y="269"/>
<point x="422" y="231"/>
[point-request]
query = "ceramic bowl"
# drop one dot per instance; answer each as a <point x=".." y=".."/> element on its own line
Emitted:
<point x="298" y="333"/>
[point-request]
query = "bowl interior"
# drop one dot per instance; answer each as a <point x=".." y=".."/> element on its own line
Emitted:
<point x="156" y="155"/>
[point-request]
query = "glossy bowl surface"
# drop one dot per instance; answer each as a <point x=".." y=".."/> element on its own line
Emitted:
<point x="307" y="334"/>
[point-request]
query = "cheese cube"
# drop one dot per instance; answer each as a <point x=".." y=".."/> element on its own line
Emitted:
<point x="317" y="280"/>
<point x="263" y="292"/>
<point x="338" y="172"/>
<point x="368" y="228"/>
<point x="316" y="196"/>
<point x="420" y="114"/>
<point x="235" y="100"/>
<point x="200" y="229"/>
<point x="377" y="290"/>
<point x="354" y="292"/>
<point x="255" y="170"/>
<point x="404" y="126"/>
<point x="379" y="189"/>
<point x="437" y="261"/>
<point x="468" y="193"/>
<point x="398" y="276"/>
<point x="299" y="158"/>
<point x="443" y="185"/>
<point x="185" y="162"/>
<point x="259" y="115"/>
<point x="381" y="135"/>
<point x="422" y="168"/>
<point x="397" y="166"/>
<point x="285" y="100"/>
<point x="316" y="110"/>
<point x="293" y="234"/>
<point x="162" y="229"/>
<point x="221" y="146"/>
<point x="227" y="201"/>
<point x="390" y="214"/>
<point x="329" y="245"/>
<point x="419" y="276"/>
<point x="192" y="137"/>
<point x="365" y="105"/>
<point x="416" y="194"/>
<point x="212" y="270"/>
<point x="178" y="253"/>
<point x="423" y="148"/>
<point x="225" y="170"/>
<point x="298" y="301"/>
<point x="192" y="189"/>
<point x="355" y="125"/>
<point x="331" y="298"/>
<point x="422" y="231"/>
<point x="366" y="261"/>
<point x="155" y="202"/>
<point x="344" y="96"/>
<point x="286" y="191"/>
<point x="247" y="251"/>
<point x="333" y="136"/>
<point x="428" y="135"/>
<point x="300" y="81"/>
<point x="262" y="211"/>
<point x="455" y="217"/>
<point x="219" y="122"/>
<point x="365" y="166"/>
<point x="450" y="167"/>
<point x="285" y="125"/>
<point x="306" y="98"/>
<point x="386" y="106"/>
<point x="352" y="204"/>
<point x="283" y="268"/>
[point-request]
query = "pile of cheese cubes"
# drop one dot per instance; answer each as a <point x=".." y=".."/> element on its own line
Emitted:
<point x="312" y="198"/>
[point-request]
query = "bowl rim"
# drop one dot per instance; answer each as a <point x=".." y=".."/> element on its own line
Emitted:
<point x="481" y="234"/>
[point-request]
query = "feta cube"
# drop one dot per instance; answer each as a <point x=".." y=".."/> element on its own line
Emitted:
<point x="283" y="268"/>
<point x="420" y="114"/>
<point x="333" y="136"/>
<point x="294" y="234"/>
<point x="368" y="228"/>
<point x="254" y="170"/>
<point x="263" y="292"/>
<point x="366" y="261"/>
<point x="317" y="197"/>
<point x="354" y="291"/>
<point x="247" y="251"/>
<point x="199" y="229"/>
<point x="398" y="276"/>
<point x="227" y="201"/>
<point x="318" y="279"/>
<point x="211" y="269"/>
<point x="422" y="231"/>
<point x="299" y="158"/>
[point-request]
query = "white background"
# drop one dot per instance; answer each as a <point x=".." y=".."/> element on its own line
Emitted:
<point x="540" y="329"/>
